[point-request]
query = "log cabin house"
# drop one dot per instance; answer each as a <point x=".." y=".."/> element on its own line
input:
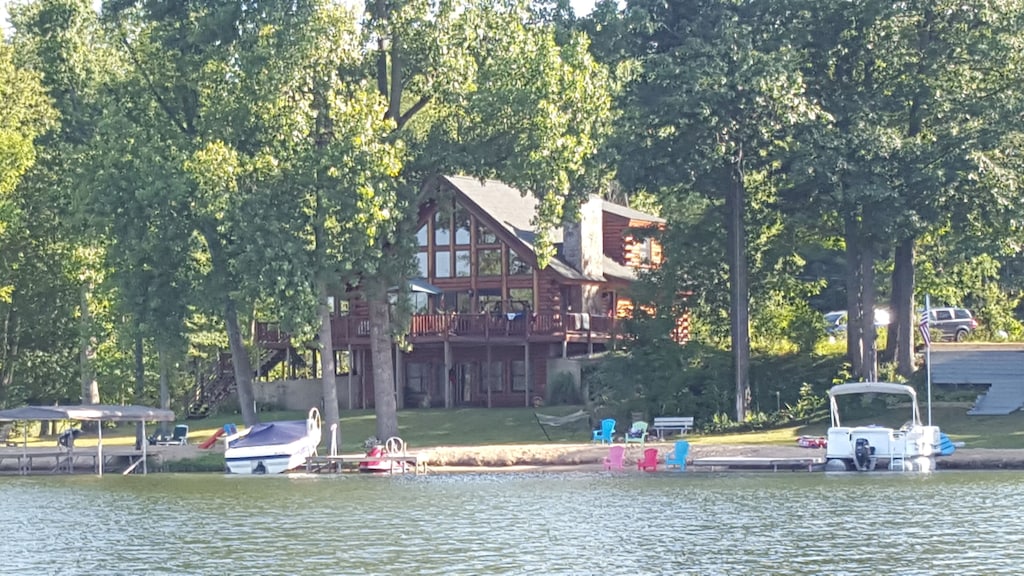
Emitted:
<point x="487" y="321"/>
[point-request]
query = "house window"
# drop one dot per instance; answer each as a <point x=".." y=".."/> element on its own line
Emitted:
<point x="647" y="251"/>
<point x="416" y="377"/>
<point x="488" y="262"/>
<point x="461" y="226"/>
<point x="518" y="368"/>
<point x="421" y="236"/>
<point x="494" y="377"/>
<point x="518" y="266"/>
<point x="423" y="264"/>
<point x="457" y="301"/>
<point x="485" y="236"/>
<point x="462" y="267"/>
<point x="418" y="303"/>
<point x="442" y="227"/>
<point x="520" y="299"/>
<point x="490" y="303"/>
<point x="442" y="264"/>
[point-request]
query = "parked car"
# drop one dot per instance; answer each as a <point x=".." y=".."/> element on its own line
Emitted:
<point x="951" y="323"/>
<point x="835" y="321"/>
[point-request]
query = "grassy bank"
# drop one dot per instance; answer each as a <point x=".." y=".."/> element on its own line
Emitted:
<point x="478" y="427"/>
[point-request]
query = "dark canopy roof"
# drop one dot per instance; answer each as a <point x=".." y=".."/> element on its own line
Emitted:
<point x="98" y="412"/>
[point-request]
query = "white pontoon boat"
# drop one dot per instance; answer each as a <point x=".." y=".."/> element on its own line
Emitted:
<point x="273" y="447"/>
<point x="912" y="447"/>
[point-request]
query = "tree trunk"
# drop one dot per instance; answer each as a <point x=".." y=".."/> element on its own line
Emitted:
<point x="853" y="288"/>
<point x="164" y="361"/>
<point x="384" y="404"/>
<point x="900" y="346"/>
<point x="869" y="366"/>
<point x="87" y="351"/>
<point x="140" y="385"/>
<point x="240" y="362"/>
<point x="9" y="352"/>
<point x="331" y="414"/>
<point x="739" y="302"/>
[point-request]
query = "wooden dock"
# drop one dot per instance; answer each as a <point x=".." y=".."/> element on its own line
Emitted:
<point x="755" y="463"/>
<point x="397" y="464"/>
<point x="28" y="461"/>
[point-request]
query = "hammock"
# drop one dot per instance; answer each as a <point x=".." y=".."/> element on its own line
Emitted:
<point x="555" y="421"/>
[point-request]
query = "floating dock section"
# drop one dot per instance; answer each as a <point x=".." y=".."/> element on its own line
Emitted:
<point x="759" y="463"/>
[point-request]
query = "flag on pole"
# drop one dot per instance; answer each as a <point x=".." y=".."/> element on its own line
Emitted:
<point x="923" y="327"/>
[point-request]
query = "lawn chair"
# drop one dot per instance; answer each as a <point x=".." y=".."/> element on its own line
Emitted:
<point x="178" y="438"/>
<point x="613" y="461"/>
<point x="649" y="462"/>
<point x="678" y="456"/>
<point x="637" y="434"/>
<point x="604" y="435"/>
<point x="5" y="435"/>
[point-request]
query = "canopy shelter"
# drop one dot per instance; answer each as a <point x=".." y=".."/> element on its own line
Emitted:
<point x="92" y="413"/>
<point x="420" y="285"/>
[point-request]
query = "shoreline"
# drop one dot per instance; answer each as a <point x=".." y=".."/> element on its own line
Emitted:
<point x="588" y="457"/>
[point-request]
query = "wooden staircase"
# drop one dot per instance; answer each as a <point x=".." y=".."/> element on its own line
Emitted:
<point x="215" y="388"/>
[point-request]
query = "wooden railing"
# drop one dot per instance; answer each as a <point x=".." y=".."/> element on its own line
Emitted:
<point x="348" y="328"/>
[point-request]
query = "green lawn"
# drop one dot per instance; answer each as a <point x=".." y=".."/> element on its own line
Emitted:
<point x="479" y="426"/>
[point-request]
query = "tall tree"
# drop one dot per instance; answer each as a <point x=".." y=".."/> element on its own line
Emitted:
<point x="482" y="88"/>
<point x="709" y="109"/>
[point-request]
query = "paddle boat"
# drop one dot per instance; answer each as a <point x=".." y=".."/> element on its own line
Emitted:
<point x="911" y="447"/>
<point x="273" y="447"/>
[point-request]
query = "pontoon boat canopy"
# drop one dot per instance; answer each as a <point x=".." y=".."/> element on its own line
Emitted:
<point x="867" y="387"/>
<point x="100" y="412"/>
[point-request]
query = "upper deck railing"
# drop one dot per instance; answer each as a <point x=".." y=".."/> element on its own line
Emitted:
<point x="519" y="324"/>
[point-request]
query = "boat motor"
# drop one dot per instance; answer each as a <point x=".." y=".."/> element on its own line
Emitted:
<point x="863" y="453"/>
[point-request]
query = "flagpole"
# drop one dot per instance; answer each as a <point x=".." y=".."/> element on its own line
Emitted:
<point x="928" y="355"/>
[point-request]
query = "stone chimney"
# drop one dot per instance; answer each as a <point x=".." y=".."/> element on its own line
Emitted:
<point x="583" y="241"/>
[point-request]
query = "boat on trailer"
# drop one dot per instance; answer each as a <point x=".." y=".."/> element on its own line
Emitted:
<point x="273" y="447"/>
<point x="911" y="447"/>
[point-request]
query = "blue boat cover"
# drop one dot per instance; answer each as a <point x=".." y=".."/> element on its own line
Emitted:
<point x="946" y="446"/>
<point x="272" y="433"/>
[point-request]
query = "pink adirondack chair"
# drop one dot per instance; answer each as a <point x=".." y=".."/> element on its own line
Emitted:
<point x="613" y="461"/>
<point x="649" y="462"/>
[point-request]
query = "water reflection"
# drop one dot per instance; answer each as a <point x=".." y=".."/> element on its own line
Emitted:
<point x="573" y="523"/>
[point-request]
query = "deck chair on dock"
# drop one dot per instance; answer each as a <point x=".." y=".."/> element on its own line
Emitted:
<point x="178" y="438"/>
<point x="559" y="421"/>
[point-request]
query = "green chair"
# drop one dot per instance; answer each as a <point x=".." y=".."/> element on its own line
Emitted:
<point x="637" y="433"/>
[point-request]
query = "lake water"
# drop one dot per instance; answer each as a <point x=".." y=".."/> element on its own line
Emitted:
<point x="566" y="523"/>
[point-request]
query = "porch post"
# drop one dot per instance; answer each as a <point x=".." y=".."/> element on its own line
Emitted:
<point x="362" y="376"/>
<point x="526" y="357"/>
<point x="351" y="367"/>
<point x="447" y="374"/>
<point x="399" y="378"/>
<point x="487" y="375"/>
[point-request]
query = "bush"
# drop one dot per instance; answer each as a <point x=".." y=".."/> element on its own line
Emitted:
<point x="563" y="390"/>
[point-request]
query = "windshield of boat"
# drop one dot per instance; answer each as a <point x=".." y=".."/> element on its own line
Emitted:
<point x="885" y="410"/>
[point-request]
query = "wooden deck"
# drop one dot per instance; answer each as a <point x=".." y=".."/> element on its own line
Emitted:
<point x="30" y="461"/>
<point x="398" y="463"/>
<point x="754" y="463"/>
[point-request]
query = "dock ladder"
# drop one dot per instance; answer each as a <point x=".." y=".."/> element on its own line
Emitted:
<point x="899" y="451"/>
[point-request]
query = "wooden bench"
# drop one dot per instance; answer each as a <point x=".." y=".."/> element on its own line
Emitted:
<point x="664" y="424"/>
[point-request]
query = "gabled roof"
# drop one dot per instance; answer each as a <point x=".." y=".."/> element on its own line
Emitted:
<point x="514" y="210"/>
<point x="630" y="213"/>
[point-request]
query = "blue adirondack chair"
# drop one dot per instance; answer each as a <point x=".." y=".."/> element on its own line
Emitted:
<point x="678" y="456"/>
<point x="604" y="435"/>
